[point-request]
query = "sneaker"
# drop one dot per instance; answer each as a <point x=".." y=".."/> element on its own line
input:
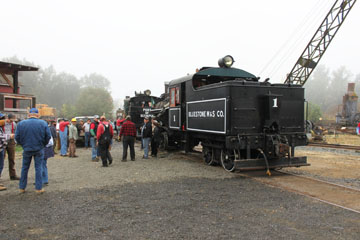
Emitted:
<point x="124" y="160"/>
<point x="110" y="161"/>
<point x="39" y="191"/>
<point x="14" y="178"/>
<point x="133" y="159"/>
<point x="22" y="190"/>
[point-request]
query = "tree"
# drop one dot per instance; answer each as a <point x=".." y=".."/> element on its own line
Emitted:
<point x="316" y="86"/>
<point x="337" y="87"/>
<point x="93" y="101"/>
<point x="95" y="80"/>
<point x="68" y="111"/>
<point x="314" y="112"/>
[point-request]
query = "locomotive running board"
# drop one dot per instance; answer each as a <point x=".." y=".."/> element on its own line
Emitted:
<point x="256" y="164"/>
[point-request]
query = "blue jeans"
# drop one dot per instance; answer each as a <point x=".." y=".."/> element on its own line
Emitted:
<point x="44" y="171"/>
<point x="87" y="138"/>
<point x="38" y="158"/>
<point x="93" y="148"/>
<point x="1" y="161"/>
<point x="63" y="140"/>
<point x="146" y="142"/>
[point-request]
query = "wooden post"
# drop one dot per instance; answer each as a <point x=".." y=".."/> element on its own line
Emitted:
<point x="16" y="87"/>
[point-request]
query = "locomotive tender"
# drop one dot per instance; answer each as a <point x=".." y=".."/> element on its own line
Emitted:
<point x="242" y="123"/>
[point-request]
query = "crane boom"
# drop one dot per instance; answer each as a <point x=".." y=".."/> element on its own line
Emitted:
<point x="319" y="42"/>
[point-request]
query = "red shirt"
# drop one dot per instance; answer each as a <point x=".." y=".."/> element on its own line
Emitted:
<point x="128" y="129"/>
<point x="101" y="129"/>
<point x="118" y="122"/>
<point x="62" y="125"/>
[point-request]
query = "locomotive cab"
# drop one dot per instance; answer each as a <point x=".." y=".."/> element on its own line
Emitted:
<point x="241" y="123"/>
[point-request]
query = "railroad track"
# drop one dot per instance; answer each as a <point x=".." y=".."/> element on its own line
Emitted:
<point x="327" y="192"/>
<point x="337" y="146"/>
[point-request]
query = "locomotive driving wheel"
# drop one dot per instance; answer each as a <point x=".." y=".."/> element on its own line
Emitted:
<point x="228" y="159"/>
<point x="208" y="156"/>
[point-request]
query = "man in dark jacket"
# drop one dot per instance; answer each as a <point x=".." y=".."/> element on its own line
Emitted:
<point x="32" y="134"/>
<point x="155" y="141"/>
<point x="147" y="134"/>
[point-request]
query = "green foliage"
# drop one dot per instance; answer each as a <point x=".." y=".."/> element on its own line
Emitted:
<point x="68" y="111"/>
<point x="63" y="91"/>
<point x="94" y="101"/>
<point x="314" y="112"/>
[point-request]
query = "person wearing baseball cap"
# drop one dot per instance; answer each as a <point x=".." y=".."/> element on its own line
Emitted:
<point x="33" y="134"/>
<point x="3" y="139"/>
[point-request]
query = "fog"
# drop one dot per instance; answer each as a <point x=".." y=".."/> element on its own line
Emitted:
<point x="139" y="45"/>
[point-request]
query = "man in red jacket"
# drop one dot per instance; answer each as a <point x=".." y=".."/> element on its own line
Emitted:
<point x="104" y="135"/>
<point x="128" y="130"/>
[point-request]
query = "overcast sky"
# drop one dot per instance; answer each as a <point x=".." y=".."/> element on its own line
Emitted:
<point x="141" y="44"/>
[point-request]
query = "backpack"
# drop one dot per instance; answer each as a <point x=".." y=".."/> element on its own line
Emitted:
<point x="105" y="137"/>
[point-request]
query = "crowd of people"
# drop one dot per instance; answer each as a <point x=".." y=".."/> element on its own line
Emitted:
<point x="39" y="140"/>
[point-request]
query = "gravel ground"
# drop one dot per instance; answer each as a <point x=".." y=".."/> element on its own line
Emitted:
<point x="171" y="197"/>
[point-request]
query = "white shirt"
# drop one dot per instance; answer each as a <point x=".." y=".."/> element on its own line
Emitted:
<point x="87" y="127"/>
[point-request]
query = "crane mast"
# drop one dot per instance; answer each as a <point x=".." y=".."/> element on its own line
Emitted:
<point x="319" y="42"/>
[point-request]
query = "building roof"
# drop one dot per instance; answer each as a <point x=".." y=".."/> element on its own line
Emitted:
<point x="11" y="68"/>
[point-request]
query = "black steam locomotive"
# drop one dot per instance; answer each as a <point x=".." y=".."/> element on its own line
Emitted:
<point x="241" y="122"/>
<point x="139" y="107"/>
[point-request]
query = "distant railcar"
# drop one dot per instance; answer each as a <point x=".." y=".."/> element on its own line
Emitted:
<point x="240" y="122"/>
<point x="139" y="107"/>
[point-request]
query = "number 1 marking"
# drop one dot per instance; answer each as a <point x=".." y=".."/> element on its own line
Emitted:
<point x="275" y="103"/>
<point x="174" y="119"/>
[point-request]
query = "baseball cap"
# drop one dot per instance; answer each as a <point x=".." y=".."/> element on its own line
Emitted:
<point x="96" y="116"/>
<point x="73" y="120"/>
<point x="2" y="115"/>
<point x="146" y="118"/>
<point x="11" y="116"/>
<point x="33" y="110"/>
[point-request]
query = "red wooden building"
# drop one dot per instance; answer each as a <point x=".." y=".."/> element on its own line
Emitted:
<point x="11" y="101"/>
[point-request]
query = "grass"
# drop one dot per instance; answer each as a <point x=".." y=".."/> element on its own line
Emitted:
<point x="18" y="148"/>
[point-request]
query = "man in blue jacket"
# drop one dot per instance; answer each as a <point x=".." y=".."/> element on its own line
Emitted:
<point x="32" y="134"/>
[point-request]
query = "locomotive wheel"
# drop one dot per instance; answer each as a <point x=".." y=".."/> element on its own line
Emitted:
<point x="208" y="156"/>
<point x="228" y="160"/>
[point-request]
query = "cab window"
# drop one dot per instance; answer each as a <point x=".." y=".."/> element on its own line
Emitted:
<point x="172" y="97"/>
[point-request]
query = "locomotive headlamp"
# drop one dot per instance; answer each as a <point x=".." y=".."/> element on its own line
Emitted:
<point x="226" y="61"/>
<point x="147" y="92"/>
